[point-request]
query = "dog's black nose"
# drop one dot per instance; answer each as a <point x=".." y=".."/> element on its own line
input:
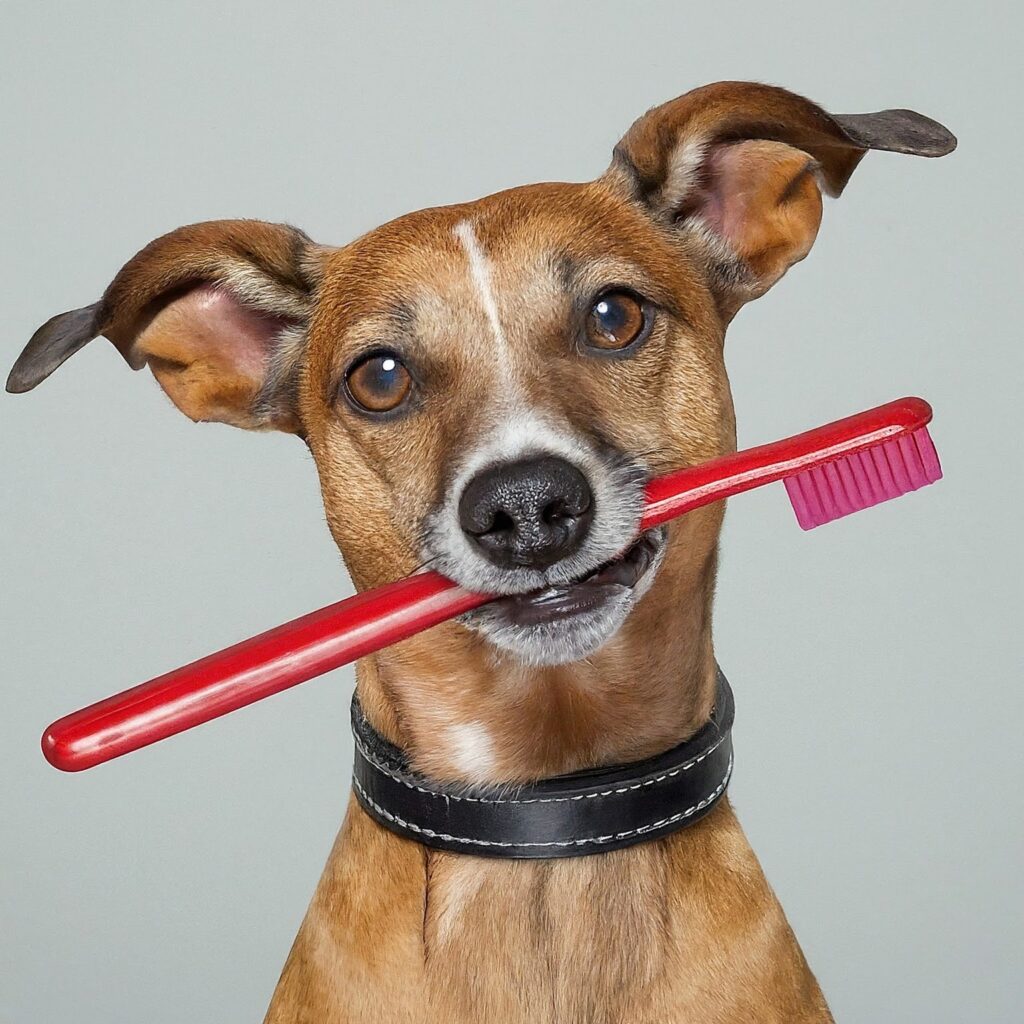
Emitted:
<point x="528" y="513"/>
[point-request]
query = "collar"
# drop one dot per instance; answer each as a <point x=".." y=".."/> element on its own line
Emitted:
<point x="568" y="816"/>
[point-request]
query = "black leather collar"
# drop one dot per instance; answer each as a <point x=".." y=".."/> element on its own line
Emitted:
<point x="569" y="816"/>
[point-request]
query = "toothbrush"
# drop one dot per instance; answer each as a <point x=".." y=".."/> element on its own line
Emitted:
<point x="828" y="472"/>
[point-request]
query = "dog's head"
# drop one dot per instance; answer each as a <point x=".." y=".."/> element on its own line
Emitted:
<point x="486" y="387"/>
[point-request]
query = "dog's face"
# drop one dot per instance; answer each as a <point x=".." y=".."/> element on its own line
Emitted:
<point x="498" y="381"/>
<point x="486" y="388"/>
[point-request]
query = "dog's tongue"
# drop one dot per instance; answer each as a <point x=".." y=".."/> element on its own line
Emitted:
<point x="627" y="570"/>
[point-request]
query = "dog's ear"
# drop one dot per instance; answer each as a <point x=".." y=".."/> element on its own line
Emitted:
<point x="217" y="310"/>
<point x="739" y="168"/>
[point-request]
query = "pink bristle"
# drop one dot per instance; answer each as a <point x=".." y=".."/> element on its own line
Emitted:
<point x="879" y="457"/>
<point x="929" y="457"/>
<point x="794" y="488"/>
<point x="863" y="479"/>
<point x="850" y="489"/>
<point x="912" y="461"/>
<point x="870" y="471"/>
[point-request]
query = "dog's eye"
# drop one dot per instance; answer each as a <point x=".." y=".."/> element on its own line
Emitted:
<point x="616" y="319"/>
<point x="379" y="382"/>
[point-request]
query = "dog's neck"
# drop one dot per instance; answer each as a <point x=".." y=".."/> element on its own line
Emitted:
<point x="466" y="715"/>
<point x="686" y="926"/>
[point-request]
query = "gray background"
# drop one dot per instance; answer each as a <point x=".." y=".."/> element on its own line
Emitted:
<point x="876" y="661"/>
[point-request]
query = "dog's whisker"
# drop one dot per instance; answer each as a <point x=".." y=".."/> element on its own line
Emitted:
<point x="425" y="564"/>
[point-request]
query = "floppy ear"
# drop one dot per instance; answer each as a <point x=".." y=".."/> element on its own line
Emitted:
<point x="739" y="168"/>
<point x="217" y="310"/>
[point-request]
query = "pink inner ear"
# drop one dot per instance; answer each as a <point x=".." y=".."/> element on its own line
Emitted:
<point x="733" y="180"/>
<point x="211" y="354"/>
<point x="763" y="200"/>
<point x="214" y="328"/>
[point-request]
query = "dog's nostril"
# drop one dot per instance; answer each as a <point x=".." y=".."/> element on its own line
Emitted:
<point x="501" y="523"/>
<point x="528" y="513"/>
<point x="555" y="512"/>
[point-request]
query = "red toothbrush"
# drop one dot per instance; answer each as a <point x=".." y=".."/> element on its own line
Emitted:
<point x="828" y="472"/>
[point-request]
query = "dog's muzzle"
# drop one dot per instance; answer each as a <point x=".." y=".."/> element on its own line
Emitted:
<point x="547" y="522"/>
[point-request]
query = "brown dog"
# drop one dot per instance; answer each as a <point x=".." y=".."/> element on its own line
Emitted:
<point x="485" y="388"/>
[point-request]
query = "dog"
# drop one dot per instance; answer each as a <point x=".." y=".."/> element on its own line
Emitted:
<point x="485" y="389"/>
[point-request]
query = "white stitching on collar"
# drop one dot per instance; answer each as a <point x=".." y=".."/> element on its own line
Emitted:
<point x="595" y="840"/>
<point x="537" y="800"/>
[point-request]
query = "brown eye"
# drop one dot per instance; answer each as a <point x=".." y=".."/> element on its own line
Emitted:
<point x="378" y="383"/>
<point x="616" y="320"/>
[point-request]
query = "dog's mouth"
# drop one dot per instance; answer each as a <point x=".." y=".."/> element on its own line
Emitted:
<point x="609" y="582"/>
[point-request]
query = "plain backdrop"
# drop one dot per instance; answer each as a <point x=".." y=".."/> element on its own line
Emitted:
<point x="876" y="662"/>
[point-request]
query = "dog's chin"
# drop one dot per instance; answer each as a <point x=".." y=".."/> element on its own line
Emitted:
<point x="571" y="621"/>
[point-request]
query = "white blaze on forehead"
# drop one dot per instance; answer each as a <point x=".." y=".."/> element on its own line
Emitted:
<point x="472" y="751"/>
<point x="480" y="271"/>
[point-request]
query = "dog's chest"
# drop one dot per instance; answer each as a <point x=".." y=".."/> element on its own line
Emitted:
<point x="572" y="940"/>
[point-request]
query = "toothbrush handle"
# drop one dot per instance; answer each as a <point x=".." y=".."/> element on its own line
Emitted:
<point x="253" y="669"/>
